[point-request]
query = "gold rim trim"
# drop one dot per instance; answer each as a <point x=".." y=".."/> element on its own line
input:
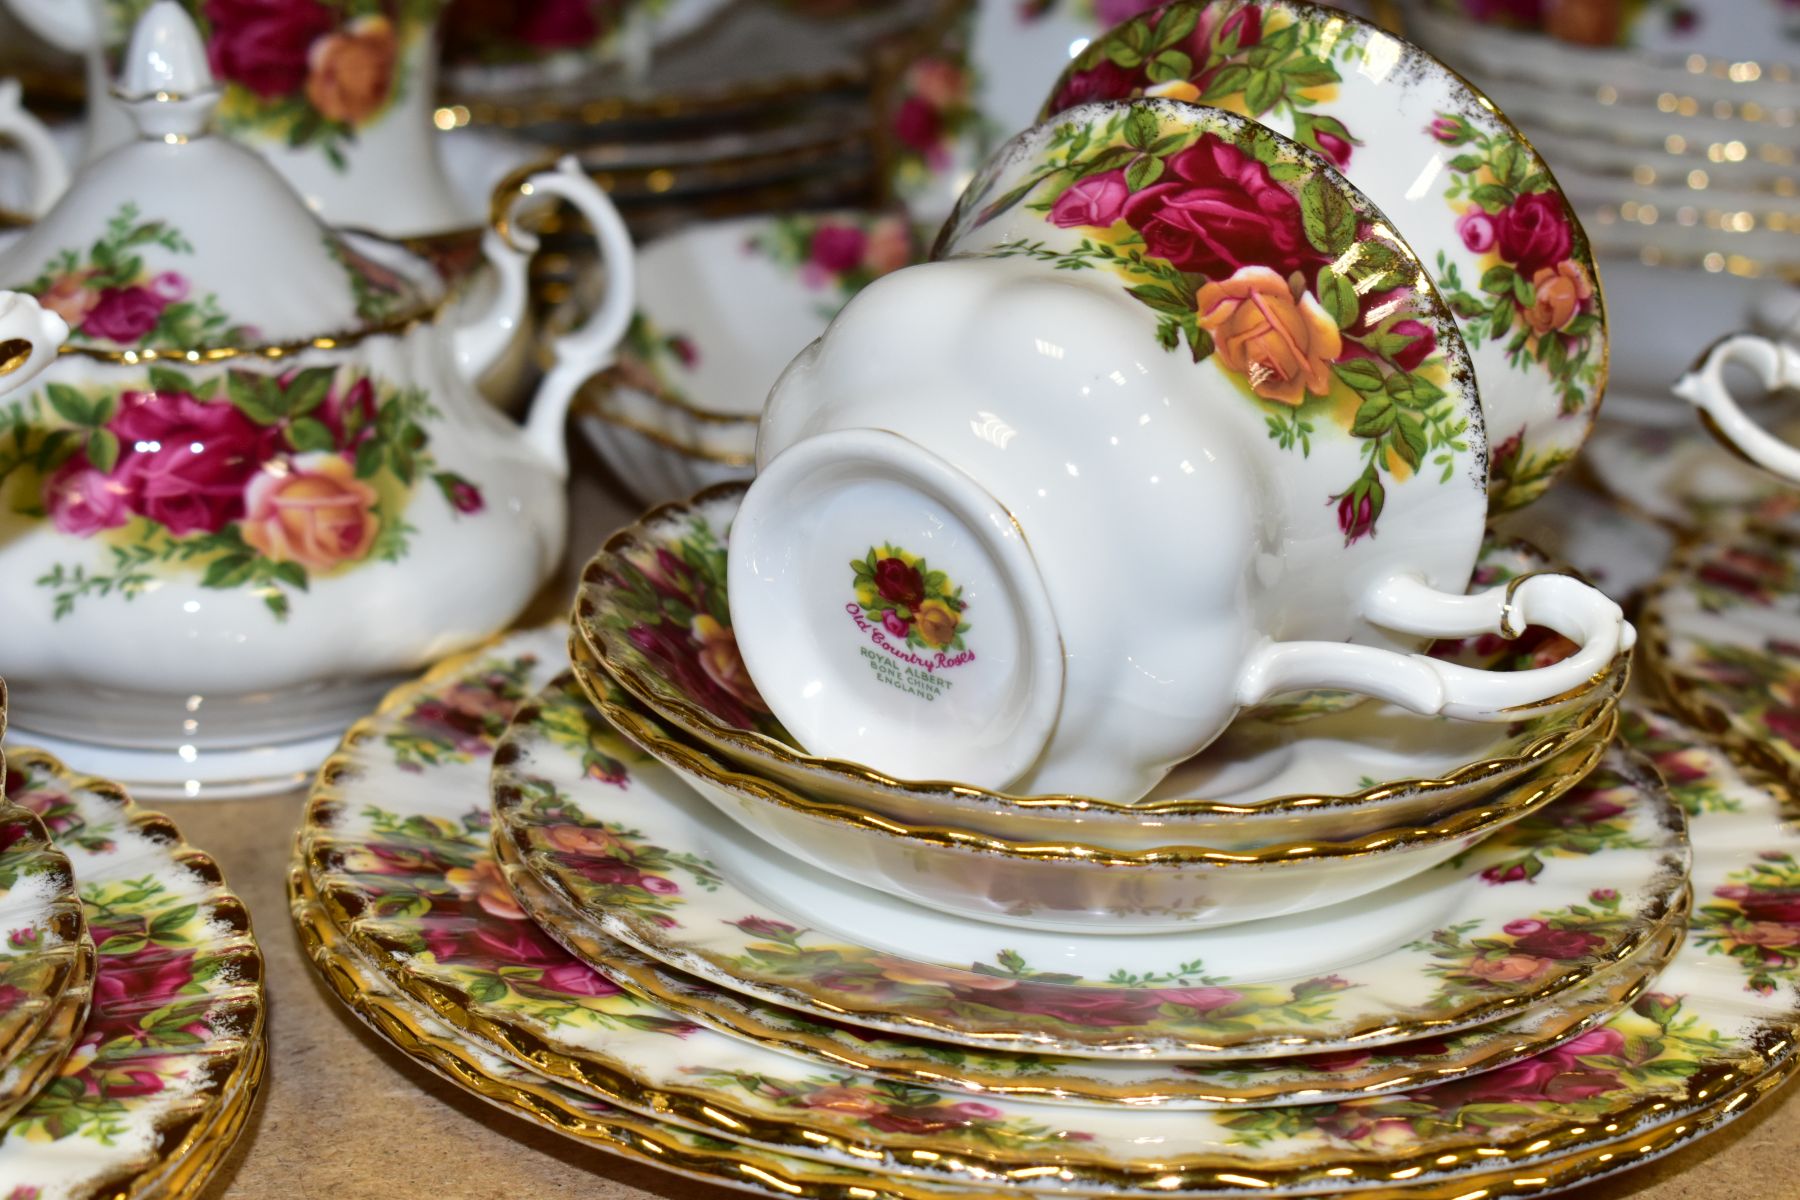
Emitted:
<point x="1481" y="815"/>
<point x="70" y="961"/>
<point x="694" y="721"/>
<point x="645" y="1141"/>
<point x="29" y="1071"/>
<point x="594" y="409"/>
<point x="189" y="1149"/>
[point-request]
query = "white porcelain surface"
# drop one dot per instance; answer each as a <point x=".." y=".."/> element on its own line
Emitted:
<point x="651" y="469"/>
<point x="227" y="550"/>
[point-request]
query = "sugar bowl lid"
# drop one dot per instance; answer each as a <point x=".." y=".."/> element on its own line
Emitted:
<point x="180" y="241"/>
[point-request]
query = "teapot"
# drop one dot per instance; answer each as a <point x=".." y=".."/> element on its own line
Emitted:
<point x="336" y="98"/>
<point x="257" y="482"/>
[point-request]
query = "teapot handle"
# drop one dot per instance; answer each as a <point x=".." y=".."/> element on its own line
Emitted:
<point x="48" y="170"/>
<point x="1428" y="685"/>
<point x="69" y="27"/>
<point x="578" y="355"/>
<point x="1775" y="366"/>
<point x="30" y="336"/>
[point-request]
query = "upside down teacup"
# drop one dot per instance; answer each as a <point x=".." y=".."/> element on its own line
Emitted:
<point x="1003" y="534"/>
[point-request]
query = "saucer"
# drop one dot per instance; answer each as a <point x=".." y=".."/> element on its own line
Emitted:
<point x="1683" y="478"/>
<point x="46" y="961"/>
<point x="166" y="1068"/>
<point x="385" y="838"/>
<point x="1722" y="641"/>
<point x="1450" y="948"/>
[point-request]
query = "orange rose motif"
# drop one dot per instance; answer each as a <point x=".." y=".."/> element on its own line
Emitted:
<point x="889" y="246"/>
<point x="70" y="298"/>
<point x="1284" y="344"/>
<point x="350" y="72"/>
<point x="584" y="841"/>
<point x="315" y="512"/>
<point x="937" y="623"/>
<point x="488" y="887"/>
<point x="920" y="974"/>
<point x="1508" y="968"/>
<point x="720" y="659"/>
<point x="1768" y="933"/>
<point x="1561" y="291"/>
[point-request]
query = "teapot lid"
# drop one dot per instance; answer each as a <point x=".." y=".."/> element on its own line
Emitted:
<point x="184" y="241"/>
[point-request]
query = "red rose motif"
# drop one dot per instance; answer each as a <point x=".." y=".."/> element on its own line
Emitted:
<point x="899" y="583"/>
<point x="349" y="414"/>
<point x="1336" y="148"/>
<point x="763" y="927"/>
<point x="1219" y="210"/>
<point x="1779" y="907"/>
<point x="1532" y="233"/>
<point x="1784" y="723"/>
<point x="837" y="248"/>
<point x="262" y="45"/>
<point x="1100" y="1008"/>
<point x="1098" y="200"/>
<point x="577" y="979"/>
<point x="558" y="24"/>
<point x="672" y="649"/>
<point x="490" y="941"/>
<point x="1117" y="12"/>
<point x="1104" y="81"/>
<point x="83" y="501"/>
<point x="1479" y="233"/>
<point x="188" y="462"/>
<point x="1200" y="999"/>
<point x="136" y="983"/>
<point x="1560" y="944"/>
<point x="918" y="125"/>
<point x="124" y="315"/>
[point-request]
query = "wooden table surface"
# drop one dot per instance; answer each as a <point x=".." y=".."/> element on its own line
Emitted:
<point x="344" y="1116"/>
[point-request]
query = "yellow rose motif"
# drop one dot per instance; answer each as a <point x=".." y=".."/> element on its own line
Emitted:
<point x="1283" y="344"/>
<point x="936" y="623"/>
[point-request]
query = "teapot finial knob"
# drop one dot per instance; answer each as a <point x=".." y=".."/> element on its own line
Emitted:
<point x="164" y="80"/>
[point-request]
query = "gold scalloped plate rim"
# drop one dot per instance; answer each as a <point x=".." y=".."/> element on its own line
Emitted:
<point x="55" y="1038"/>
<point x="71" y="959"/>
<point x="645" y="1141"/>
<point x="203" y="1135"/>
<point x="694" y="722"/>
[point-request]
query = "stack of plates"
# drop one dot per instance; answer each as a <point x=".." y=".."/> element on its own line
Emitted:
<point x="512" y="892"/>
<point x="738" y="108"/>
<point x="1674" y="133"/>
<point x="131" y="995"/>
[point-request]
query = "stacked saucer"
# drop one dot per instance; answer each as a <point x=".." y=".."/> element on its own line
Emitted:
<point x="131" y="997"/>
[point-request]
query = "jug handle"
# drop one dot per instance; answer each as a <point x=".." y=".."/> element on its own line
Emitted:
<point x="49" y="171"/>
<point x="1775" y="366"/>
<point x="1424" y="684"/>
<point x="67" y="26"/>
<point x="583" y="352"/>
<point x="30" y="336"/>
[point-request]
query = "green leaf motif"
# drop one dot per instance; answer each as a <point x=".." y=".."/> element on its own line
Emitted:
<point x="103" y="450"/>
<point x="1329" y="220"/>
<point x="69" y="404"/>
<point x="1338" y="297"/>
<point x="1263" y="91"/>
<point x="308" y="434"/>
<point x="1374" y="418"/>
<point x="1360" y="374"/>
<point x="1143" y="172"/>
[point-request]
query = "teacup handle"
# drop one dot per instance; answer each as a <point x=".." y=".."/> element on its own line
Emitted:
<point x="1427" y="685"/>
<point x="30" y="336"/>
<point x="1775" y="366"/>
<point x="586" y="350"/>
